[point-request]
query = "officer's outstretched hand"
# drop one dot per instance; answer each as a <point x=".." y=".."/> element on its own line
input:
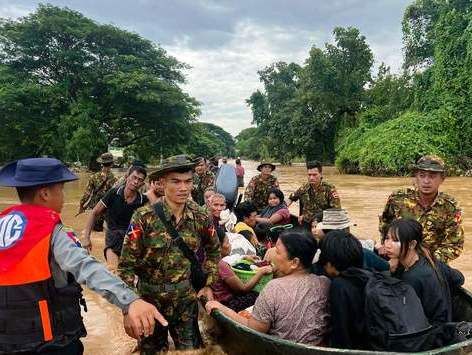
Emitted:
<point x="141" y="319"/>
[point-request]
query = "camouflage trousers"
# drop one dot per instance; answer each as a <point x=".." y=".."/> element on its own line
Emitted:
<point x="182" y="316"/>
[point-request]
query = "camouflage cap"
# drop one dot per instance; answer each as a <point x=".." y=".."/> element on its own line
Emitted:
<point x="199" y="160"/>
<point x="105" y="158"/>
<point x="259" y="167"/>
<point x="170" y="164"/>
<point x="430" y="163"/>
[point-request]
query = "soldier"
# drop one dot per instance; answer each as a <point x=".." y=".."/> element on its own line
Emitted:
<point x="163" y="271"/>
<point x="257" y="191"/>
<point x="437" y="212"/>
<point x="202" y="181"/>
<point x="98" y="184"/>
<point x="315" y="196"/>
<point x="42" y="264"/>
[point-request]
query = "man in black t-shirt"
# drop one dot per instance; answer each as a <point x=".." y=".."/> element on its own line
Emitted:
<point x="118" y="204"/>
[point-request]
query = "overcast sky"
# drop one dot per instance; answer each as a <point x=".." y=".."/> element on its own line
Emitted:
<point x="227" y="42"/>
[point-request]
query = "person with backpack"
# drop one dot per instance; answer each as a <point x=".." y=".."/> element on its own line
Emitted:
<point x="433" y="280"/>
<point x="341" y="253"/>
<point x="372" y="311"/>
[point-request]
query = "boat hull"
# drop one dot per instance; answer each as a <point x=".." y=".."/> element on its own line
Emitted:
<point x="237" y="339"/>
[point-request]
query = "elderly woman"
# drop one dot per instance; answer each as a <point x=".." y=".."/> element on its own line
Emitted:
<point x="294" y="306"/>
<point x="276" y="211"/>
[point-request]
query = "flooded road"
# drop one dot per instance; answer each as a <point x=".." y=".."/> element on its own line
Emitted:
<point x="363" y="197"/>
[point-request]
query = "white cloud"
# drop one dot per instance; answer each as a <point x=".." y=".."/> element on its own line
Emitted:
<point x="223" y="78"/>
<point x="227" y="42"/>
<point x="11" y="11"/>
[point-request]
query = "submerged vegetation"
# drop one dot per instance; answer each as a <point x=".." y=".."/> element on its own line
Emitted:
<point x="333" y="109"/>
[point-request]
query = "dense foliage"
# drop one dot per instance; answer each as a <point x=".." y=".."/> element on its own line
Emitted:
<point x="69" y="87"/>
<point x="331" y="109"/>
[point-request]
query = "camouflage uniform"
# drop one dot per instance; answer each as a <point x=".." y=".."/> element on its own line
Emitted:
<point x="442" y="229"/>
<point x="97" y="186"/>
<point x="257" y="191"/>
<point x="314" y="200"/>
<point x="163" y="271"/>
<point x="200" y="184"/>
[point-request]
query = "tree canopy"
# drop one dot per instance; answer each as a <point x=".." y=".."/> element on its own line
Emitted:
<point x="69" y="86"/>
<point x="333" y="109"/>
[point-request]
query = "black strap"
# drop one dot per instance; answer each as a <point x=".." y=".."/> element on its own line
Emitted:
<point x="184" y="248"/>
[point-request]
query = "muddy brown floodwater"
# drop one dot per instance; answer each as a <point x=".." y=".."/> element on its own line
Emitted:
<point x="364" y="197"/>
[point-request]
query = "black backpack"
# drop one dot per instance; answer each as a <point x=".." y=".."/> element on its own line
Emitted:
<point x="394" y="316"/>
<point x="395" y="319"/>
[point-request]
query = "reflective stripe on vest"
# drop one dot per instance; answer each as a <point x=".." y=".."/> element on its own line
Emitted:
<point x="25" y="239"/>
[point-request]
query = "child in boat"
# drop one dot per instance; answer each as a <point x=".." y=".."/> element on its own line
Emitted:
<point x="432" y="280"/>
<point x="342" y="259"/>
<point x="276" y="211"/>
<point x="229" y="289"/>
<point x="246" y="214"/>
<point x="294" y="306"/>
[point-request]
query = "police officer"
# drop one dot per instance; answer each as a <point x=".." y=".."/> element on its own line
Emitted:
<point x="42" y="264"/>
<point x="437" y="212"/>
<point x="203" y="179"/>
<point x="315" y="196"/>
<point x="150" y="253"/>
<point x="257" y="190"/>
<point x="98" y="184"/>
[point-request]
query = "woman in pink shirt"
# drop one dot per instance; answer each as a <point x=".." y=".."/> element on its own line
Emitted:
<point x="294" y="306"/>
<point x="276" y="212"/>
<point x="229" y="289"/>
<point x="239" y="173"/>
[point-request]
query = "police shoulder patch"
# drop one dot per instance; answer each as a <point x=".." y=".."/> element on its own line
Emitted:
<point x="12" y="228"/>
<point x="69" y="232"/>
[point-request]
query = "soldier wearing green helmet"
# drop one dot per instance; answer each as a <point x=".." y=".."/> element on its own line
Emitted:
<point x="436" y="211"/>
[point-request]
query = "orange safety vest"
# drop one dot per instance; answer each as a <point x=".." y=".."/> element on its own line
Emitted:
<point x="34" y="314"/>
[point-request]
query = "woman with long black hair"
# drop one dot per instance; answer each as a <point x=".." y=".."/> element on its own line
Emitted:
<point x="433" y="281"/>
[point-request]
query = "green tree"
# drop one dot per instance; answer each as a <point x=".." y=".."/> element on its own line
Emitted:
<point x="273" y="109"/>
<point x="251" y="144"/>
<point x="208" y="140"/>
<point x="90" y="78"/>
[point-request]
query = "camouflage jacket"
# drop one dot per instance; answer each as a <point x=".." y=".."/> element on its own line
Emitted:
<point x="314" y="200"/>
<point x="257" y="191"/>
<point x="149" y="252"/>
<point x="97" y="186"/>
<point x="442" y="229"/>
<point x="200" y="185"/>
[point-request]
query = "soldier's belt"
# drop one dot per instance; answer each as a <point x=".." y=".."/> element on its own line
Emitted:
<point x="166" y="287"/>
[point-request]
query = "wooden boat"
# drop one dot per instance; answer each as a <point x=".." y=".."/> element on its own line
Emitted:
<point x="238" y="339"/>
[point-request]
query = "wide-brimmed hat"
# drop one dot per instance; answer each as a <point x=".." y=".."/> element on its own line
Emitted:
<point x="35" y="172"/>
<point x="198" y="160"/>
<point x="172" y="163"/>
<point x="105" y="158"/>
<point x="430" y="163"/>
<point x="335" y="218"/>
<point x="259" y="167"/>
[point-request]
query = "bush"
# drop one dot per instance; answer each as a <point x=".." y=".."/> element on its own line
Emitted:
<point x="391" y="147"/>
